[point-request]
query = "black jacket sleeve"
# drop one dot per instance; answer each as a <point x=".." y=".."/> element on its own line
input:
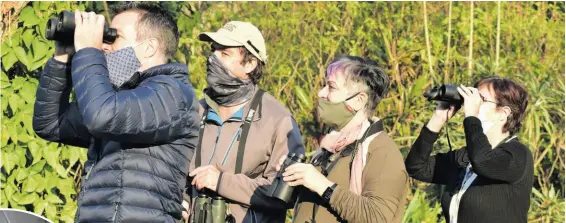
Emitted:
<point x="432" y="169"/>
<point x="507" y="162"/>
<point x="54" y="118"/>
<point x="151" y="113"/>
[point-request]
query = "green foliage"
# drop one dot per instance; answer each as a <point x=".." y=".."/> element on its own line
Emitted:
<point x="302" y="38"/>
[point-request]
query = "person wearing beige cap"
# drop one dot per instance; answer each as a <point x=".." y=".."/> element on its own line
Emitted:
<point x="243" y="130"/>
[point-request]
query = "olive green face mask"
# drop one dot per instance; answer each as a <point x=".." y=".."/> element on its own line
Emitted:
<point x="336" y="115"/>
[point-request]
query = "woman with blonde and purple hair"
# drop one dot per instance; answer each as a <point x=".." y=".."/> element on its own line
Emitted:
<point x="358" y="174"/>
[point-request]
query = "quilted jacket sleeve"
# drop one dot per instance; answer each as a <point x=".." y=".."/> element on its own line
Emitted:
<point x="151" y="113"/>
<point x="54" y="118"/>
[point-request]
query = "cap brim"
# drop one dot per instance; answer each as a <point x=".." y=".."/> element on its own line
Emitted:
<point x="219" y="38"/>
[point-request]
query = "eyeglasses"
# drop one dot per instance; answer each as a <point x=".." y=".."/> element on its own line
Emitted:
<point x="485" y="100"/>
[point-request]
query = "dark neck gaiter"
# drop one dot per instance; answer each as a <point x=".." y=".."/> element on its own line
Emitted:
<point x="223" y="87"/>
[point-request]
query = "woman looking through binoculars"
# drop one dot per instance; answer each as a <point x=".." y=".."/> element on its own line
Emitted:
<point x="489" y="180"/>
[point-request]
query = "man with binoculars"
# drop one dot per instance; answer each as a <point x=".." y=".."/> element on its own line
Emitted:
<point x="134" y="111"/>
<point x="243" y="133"/>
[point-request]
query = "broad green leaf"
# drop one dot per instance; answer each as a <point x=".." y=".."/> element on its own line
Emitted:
<point x="28" y="37"/>
<point x="40" y="49"/>
<point x="22" y="55"/>
<point x="40" y="206"/>
<point x="9" y="59"/>
<point x="44" y="5"/>
<point x="9" y="191"/>
<point x="3" y="200"/>
<point x="23" y="173"/>
<point x="4" y="82"/>
<point x="9" y="161"/>
<point x="15" y="205"/>
<point x="23" y="199"/>
<point x="60" y="170"/>
<point x="53" y="199"/>
<point x="50" y="211"/>
<point x="16" y="39"/>
<point x="38" y="167"/>
<point x="5" y="49"/>
<point x="31" y="21"/>
<point x="74" y="155"/>
<point x="20" y="152"/>
<point x="28" y="92"/>
<point x="36" y="153"/>
<point x="30" y="184"/>
<point x="26" y="13"/>
<point x="18" y="82"/>
<point x="41" y="183"/>
<point x="15" y="103"/>
<point x="51" y="181"/>
<point x="39" y="63"/>
<point x="66" y="186"/>
<point x="51" y="153"/>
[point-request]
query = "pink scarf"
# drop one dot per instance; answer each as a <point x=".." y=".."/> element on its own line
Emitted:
<point x="336" y="141"/>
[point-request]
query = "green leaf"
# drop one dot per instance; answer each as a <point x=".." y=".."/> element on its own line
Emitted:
<point x="40" y="49"/>
<point x="22" y="55"/>
<point x="40" y="186"/>
<point x="60" y="170"/>
<point x="417" y="89"/>
<point x="40" y="206"/>
<point x="74" y="155"/>
<point x="18" y="82"/>
<point x="23" y="199"/>
<point x="9" y="191"/>
<point x="30" y="184"/>
<point x="9" y="161"/>
<point x="4" y="82"/>
<point x="5" y="48"/>
<point x="66" y="186"/>
<point x="15" y="103"/>
<point x="28" y="37"/>
<point x="23" y="173"/>
<point x="16" y="39"/>
<point x="53" y="199"/>
<point x="52" y="154"/>
<point x="28" y="92"/>
<point x="26" y="13"/>
<point x="38" y="167"/>
<point x="44" y="5"/>
<point x="36" y="153"/>
<point x="39" y="63"/>
<point x="9" y="60"/>
<point x="51" y="181"/>
<point x="302" y="96"/>
<point x="51" y="211"/>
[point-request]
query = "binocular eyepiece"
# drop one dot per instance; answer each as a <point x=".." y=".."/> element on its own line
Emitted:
<point x="211" y="209"/>
<point x="62" y="29"/>
<point x="279" y="188"/>
<point x="447" y="93"/>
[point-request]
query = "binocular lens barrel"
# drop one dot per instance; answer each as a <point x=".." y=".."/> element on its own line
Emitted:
<point x="62" y="29"/>
<point x="279" y="188"/>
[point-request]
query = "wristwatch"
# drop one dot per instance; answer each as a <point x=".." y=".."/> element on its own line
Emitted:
<point x="328" y="193"/>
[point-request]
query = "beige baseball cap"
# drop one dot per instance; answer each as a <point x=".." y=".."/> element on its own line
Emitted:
<point x="238" y="33"/>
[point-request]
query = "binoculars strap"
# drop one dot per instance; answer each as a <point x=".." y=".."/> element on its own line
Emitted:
<point x="245" y="129"/>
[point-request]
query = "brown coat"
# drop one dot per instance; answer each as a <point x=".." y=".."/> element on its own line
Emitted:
<point x="273" y="134"/>
<point x="385" y="184"/>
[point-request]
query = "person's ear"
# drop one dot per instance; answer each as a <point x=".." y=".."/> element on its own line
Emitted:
<point x="506" y="112"/>
<point x="250" y="66"/>
<point x="360" y="101"/>
<point x="151" y="47"/>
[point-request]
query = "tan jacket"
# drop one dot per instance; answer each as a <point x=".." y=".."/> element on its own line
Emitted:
<point x="385" y="184"/>
<point x="273" y="134"/>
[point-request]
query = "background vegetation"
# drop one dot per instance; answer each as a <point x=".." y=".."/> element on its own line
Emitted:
<point x="420" y="45"/>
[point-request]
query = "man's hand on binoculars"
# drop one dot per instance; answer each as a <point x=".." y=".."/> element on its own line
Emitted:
<point x="89" y="29"/>
<point x="472" y="100"/>
<point x="205" y="177"/>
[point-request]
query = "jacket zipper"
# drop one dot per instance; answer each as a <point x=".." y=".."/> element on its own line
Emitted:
<point x="115" y="212"/>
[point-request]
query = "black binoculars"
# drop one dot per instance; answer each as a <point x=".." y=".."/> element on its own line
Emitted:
<point x="62" y="29"/>
<point x="279" y="188"/>
<point x="447" y="93"/>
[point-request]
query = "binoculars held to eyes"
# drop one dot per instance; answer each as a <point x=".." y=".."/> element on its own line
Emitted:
<point x="279" y="188"/>
<point x="62" y="29"/>
<point x="447" y="93"/>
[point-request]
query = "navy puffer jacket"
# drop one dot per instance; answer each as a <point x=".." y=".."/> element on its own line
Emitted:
<point x="140" y="140"/>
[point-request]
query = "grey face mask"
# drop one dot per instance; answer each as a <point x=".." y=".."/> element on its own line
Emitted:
<point x="223" y="87"/>
<point x="122" y="65"/>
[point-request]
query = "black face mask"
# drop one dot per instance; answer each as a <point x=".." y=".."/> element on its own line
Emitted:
<point x="223" y="87"/>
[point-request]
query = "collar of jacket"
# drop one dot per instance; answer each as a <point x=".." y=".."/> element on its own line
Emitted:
<point x="209" y="103"/>
<point x="177" y="70"/>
